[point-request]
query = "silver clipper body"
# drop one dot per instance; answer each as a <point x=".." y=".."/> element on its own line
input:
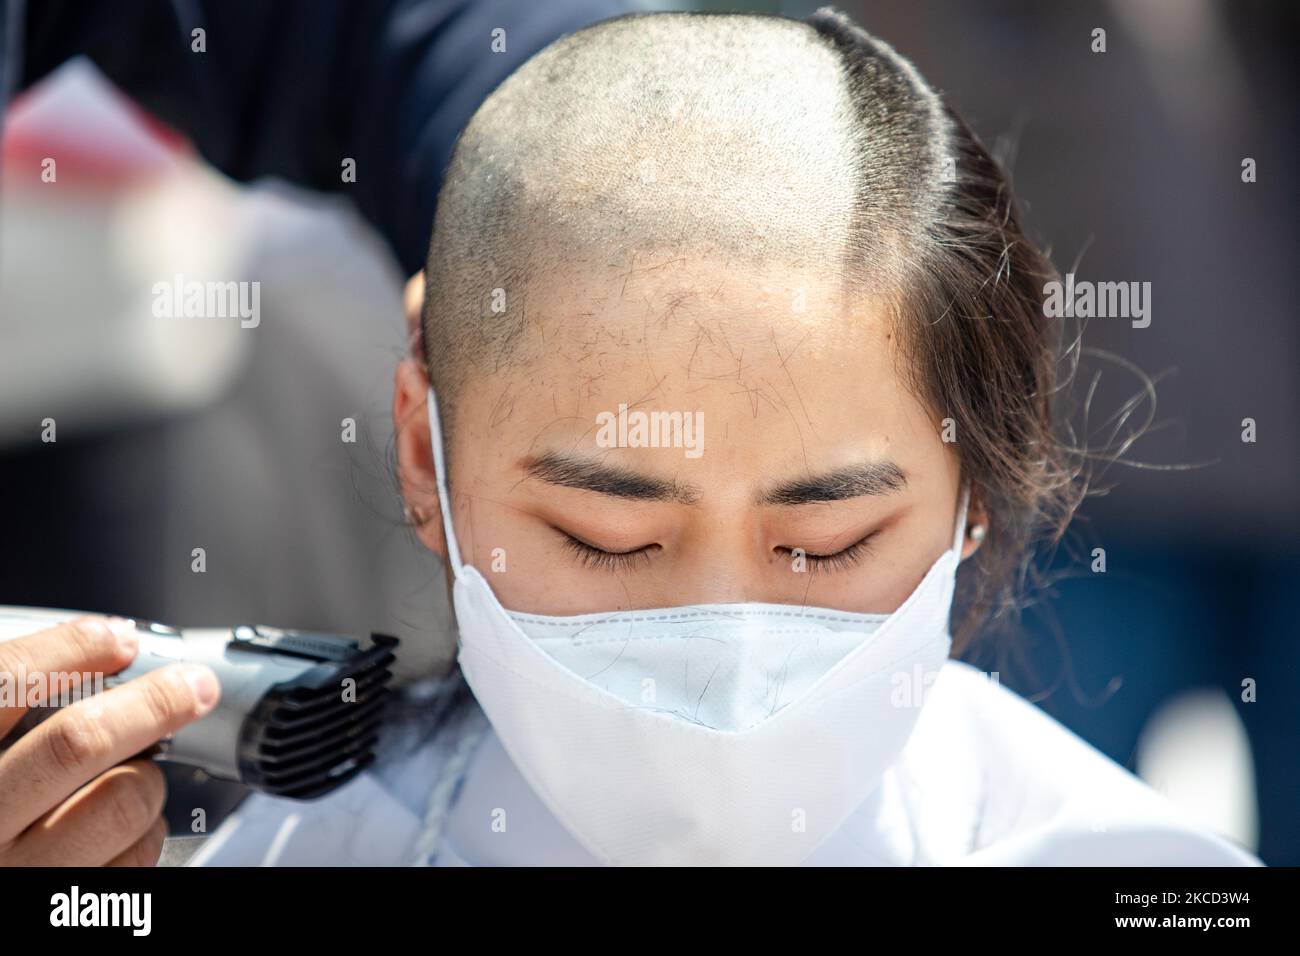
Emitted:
<point x="299" y="713"/>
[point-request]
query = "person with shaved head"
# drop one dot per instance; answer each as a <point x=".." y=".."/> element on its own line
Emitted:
<point x="733" y="413"/>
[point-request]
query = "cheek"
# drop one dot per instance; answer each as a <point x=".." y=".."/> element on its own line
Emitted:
<point x="900" y="576"/>
<point x="527" y="565"/>
<point x="516" y="565"/>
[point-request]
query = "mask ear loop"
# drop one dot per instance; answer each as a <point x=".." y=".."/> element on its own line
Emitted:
<point x="440" y="473"/>
<point x="963" y="503"/>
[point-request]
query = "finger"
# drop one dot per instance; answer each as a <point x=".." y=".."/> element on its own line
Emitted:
<point x="147" y="850"/>
<point x="61" y="657"/>
<point x="82" y="741"/>
<point x="102" y="820"/>
<point x="413" y="302"/>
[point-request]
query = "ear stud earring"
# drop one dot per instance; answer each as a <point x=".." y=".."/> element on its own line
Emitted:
<point x="977" y="532"/>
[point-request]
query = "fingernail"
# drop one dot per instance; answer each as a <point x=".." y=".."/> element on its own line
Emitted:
<point x="124" y="630"/>
<point x="204" y="684"/>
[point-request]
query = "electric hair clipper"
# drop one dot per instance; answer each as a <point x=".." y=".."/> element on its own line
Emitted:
<point x="299" y="712"/>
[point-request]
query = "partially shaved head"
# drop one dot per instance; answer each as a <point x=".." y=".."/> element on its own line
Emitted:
<point x="775" y="220"/>
<point x="737" y="137"/>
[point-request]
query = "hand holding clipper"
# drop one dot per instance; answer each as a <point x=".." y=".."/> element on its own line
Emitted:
<point x="290" y="713"/>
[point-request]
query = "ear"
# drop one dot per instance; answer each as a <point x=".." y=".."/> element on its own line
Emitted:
<point x="415" y="471"/>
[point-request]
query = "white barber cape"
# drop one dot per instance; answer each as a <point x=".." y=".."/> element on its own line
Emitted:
<point x="986" y="778"/>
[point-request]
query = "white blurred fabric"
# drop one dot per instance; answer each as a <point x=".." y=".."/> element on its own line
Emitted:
<point x="986" y="778"/>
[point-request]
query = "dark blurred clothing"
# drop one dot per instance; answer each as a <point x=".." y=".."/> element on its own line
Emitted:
<point x="291" y="88"/>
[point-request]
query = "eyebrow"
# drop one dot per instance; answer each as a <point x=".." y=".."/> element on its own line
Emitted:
<point x="854" y="481"/>
<point x="589" y="474"/>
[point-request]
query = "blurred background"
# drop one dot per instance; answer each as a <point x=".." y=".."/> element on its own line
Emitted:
<point x="1181" y="661"/>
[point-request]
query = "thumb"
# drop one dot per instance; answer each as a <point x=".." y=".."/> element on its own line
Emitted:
<point x="413" y="303"/>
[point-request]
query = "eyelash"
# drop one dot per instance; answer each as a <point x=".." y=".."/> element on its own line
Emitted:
<point x="841" y="560"/>
<point x="593" y="557"/>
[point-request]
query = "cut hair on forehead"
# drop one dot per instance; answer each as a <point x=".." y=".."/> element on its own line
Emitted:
<point x="759" y="139"/>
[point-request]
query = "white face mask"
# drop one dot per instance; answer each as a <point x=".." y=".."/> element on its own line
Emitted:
<point x="718" y="734"/>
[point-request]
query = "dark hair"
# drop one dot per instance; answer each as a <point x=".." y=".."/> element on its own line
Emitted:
<point x="980" y="350"/>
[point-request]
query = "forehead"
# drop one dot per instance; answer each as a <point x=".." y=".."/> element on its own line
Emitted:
<point x="713" y="315"/>
<point x="779" y="365"/>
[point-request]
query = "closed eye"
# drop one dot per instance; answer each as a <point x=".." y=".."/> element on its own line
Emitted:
<point x="593" y="557"/>
<point x="840" y="560"/>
